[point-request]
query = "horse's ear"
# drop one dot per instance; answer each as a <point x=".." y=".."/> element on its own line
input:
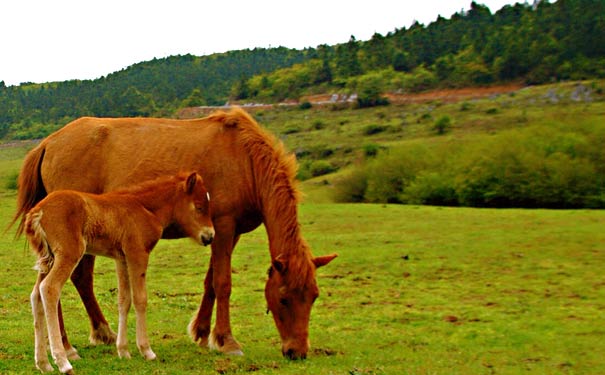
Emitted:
<point x="323" y="260"/>
<point x="190" y="184"/>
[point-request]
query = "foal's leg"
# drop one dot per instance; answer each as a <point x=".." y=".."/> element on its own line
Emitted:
<point x="137" y="268"/>
<point x="123" y="307"/>
<point x="50" y="291"/>
<point x="40" y="354"/>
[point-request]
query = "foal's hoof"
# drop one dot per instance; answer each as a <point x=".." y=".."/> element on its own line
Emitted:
<point x="123" y="353"/>
<point x="72" y="354"/>
<point x="44" y="367"/>
<point x="149" y="355"/>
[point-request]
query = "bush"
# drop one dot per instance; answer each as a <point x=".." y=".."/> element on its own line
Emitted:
<point x="442" y="125"/>
<point x="321" y="167"/>
<point x="370" y="150"/>
<point x="305" y="105"/>
<point x="533" y="167"/>
<point x="373" y="129"/>
<point x="351" y="188"/>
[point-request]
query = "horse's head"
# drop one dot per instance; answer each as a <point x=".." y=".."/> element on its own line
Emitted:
<point x="291" y="302"/>
<point x="192" y="210"/>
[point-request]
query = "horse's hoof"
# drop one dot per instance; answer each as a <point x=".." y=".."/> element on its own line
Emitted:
<point x="236" y="352"/>
<point x="102" y="335"/>
<point x="229" y="347"/>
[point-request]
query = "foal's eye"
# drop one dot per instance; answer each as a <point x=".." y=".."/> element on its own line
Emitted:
<point x="283" y="301"/>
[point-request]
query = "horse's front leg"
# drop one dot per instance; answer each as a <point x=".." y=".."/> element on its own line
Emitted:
<point x="137" y="269"/>
<point x="124" y="300"/>
<point x="221" y="338"/>
<point x="199" y="327"/>
<point x="82" y="278"/>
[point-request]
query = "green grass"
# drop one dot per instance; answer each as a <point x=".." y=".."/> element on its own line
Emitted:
<point x="415" y="290"/>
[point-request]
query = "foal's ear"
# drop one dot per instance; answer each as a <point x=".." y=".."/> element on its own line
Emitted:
<point x="323" y="260"/>
<point x="190" y="183"/>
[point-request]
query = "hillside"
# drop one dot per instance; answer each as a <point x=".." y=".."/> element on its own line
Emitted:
<point x="530" y="44"/>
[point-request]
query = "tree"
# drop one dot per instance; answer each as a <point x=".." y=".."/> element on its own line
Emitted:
<point x="347" y="60"/>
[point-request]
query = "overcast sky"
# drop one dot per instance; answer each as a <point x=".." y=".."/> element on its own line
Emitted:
<point x="57" y="40"/>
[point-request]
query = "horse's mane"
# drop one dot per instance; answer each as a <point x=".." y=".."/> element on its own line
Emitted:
<point x="275" y="177"/>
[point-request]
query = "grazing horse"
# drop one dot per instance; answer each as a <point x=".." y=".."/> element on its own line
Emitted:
<point x="250" y="177"/>
<point x="124" y="225"/>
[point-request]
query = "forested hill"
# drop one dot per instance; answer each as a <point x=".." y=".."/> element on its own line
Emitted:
<point x="157" y="87"/>
<point x="532" y="43"/>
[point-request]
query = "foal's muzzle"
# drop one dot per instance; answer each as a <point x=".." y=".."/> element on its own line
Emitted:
<point x="207" y="236"/>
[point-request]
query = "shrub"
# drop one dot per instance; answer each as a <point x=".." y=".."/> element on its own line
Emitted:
<point x="373" y="129"/>
<point x="442" y="125"/>
<point x="370" y="150"/>
<point x="321" y="167"/>
<point x="351" y="188"/>
<point x="305" y="105"/>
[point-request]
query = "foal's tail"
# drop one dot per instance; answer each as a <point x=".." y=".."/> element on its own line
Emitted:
<point x="37" y="238"/>
<point x="31" y="188"/>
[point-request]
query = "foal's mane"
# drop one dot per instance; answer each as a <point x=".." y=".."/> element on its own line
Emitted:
<point x="276" y="188"/>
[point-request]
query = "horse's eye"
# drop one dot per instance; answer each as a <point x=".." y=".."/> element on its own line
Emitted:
<point x="283" y="301"/>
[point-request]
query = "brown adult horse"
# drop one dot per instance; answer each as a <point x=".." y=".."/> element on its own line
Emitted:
<point x="122" y="224"/>
<point x="251" y="180"/>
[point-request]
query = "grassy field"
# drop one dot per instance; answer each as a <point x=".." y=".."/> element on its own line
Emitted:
<point x="415" y="290"/>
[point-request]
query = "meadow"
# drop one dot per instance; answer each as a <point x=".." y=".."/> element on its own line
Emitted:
<point x="415" y="290"/>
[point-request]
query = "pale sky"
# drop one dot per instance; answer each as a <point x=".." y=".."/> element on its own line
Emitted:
<point x="58" y="40"/>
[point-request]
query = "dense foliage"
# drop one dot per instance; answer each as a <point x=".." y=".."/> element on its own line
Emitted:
<point x="156" y="87"/>
<point x="555" y="166"/>
<point x="536" y="43"/>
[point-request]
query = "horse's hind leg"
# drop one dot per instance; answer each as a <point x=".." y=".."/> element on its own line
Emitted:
<point x="82" y="278"/>
<point x="40" y="354"/>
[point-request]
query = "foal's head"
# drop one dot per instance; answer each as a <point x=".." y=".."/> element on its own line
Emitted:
<point x="192" y="209"/>
<point x="290" y="292"/>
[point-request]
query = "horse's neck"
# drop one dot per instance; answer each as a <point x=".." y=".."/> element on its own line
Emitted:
<point x="281" y="223"/>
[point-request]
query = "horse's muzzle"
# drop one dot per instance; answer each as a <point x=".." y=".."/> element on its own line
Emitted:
<point x="293" y="354"/>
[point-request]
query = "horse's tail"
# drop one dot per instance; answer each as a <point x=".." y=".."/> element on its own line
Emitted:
<point x="31" y="189"/>
<point x="37" y="238"/>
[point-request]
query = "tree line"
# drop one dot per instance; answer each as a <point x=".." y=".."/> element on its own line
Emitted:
<point x="537" y="43"/>
<point x="534" y="43"/>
